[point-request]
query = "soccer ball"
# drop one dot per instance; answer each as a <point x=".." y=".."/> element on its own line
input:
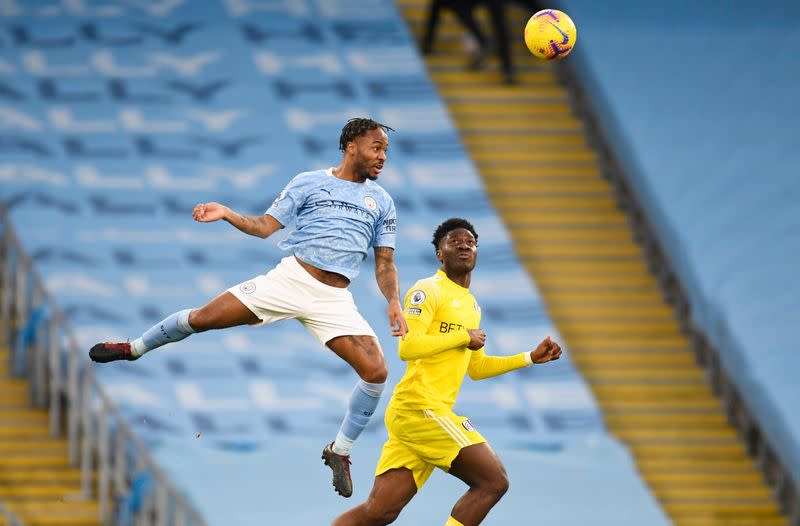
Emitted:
<point x="550" y="34"/>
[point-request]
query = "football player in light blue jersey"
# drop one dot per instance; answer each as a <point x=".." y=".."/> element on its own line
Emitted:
<point x="339" y="214"/>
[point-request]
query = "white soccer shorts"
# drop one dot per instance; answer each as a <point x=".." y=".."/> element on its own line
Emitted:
<point x="289" y="291"/>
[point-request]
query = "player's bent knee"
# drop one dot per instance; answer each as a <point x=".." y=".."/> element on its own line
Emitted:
<point x="497" y="486"/>
<point x="199" y="320"/>
<point x="376" y="373"/>
<point x="502" y="488"/>
<point x="374" y="369"/>
<point x="378" y="514"/>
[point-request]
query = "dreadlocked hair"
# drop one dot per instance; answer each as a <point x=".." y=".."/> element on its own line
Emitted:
<point x="448" y="226"/>
<point x="358" y="127"/>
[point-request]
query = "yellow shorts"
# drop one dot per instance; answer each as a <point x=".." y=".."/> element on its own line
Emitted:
<point x="421" y="440"/>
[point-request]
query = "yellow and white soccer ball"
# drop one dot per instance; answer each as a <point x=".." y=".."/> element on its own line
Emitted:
<point x="550" y="34"/>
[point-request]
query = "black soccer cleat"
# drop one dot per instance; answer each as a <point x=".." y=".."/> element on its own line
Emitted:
<point x="110" y="352"/>
<point x="340" y="465"/>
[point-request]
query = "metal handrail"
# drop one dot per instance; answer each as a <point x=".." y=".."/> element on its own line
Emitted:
<point x="9" y="516"/>
<point x="96" y="432"/>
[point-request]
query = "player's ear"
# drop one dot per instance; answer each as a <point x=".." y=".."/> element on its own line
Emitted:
<point x="439" y="255"/>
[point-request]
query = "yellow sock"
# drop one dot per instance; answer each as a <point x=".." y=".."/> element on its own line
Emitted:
<point x="452" y="522"/>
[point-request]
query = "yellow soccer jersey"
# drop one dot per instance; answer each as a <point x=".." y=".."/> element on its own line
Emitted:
<point x="439" y="313"/>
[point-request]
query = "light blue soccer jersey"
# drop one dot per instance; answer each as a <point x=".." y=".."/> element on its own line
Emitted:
<point x="337" y="221"/>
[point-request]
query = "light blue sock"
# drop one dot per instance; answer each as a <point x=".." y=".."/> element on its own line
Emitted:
<point x="173" y="328"/>
<point x="363" y="402"/>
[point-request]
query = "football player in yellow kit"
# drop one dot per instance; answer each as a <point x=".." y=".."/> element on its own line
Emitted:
<point x="443" y="343"/>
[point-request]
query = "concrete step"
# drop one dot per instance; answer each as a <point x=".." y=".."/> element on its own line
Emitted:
<point x="613" y="374"/>
<point x="724" y="494"/>
<point x="665" y="419"/>
<point x="41" y="492"/>
<point x="630" y="434"/>
<point x="636" y="358"/>
<point x="15" y="416"/>
<point x="507" y="109"/>
<point x="31" y="460"/>
<point x="532" y="173"/>
<point x="699" y="452"/>
<point x="23" y="431"/>
<point x="47" y="446"/>
<point x="41" y="476"/>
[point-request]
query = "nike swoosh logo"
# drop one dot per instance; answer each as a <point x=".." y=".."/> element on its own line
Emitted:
<point x="566" y="37"/>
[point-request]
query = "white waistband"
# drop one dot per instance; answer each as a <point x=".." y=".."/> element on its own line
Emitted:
<point x="293" y="267"/>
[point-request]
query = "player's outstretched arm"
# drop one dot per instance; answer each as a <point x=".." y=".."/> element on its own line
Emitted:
<point x="482" y="366"/>
<point x="261" y="226"/>
<point x="386" y="276"/>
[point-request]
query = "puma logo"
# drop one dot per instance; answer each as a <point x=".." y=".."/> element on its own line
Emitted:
<point x="566" y="37"/>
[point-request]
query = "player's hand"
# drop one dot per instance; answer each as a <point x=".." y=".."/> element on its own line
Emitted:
<point x="546" y="351"/>
<point x="397" y="321"/>
<point x="208" y="212"/>
<point x="477" y="339"/>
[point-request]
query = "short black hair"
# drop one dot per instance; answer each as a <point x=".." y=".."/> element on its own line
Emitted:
<point x="448" y="226"/>
<point x="358" y="127"/>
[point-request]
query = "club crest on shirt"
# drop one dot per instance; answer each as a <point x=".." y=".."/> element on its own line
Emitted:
<point x="370" y="202"/>
<point x="280" y="196"/>
<point x="467" y="425"/>
<point x="247" y="287"/>
<point x="417" y="297"/>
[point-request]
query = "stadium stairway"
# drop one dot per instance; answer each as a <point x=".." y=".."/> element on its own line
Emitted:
<point x="545" y="181"/>
<point x="37" y="482"/>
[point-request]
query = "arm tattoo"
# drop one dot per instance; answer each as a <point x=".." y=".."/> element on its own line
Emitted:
<point x="249" y="225"/>
<point x="386" y="273"/>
